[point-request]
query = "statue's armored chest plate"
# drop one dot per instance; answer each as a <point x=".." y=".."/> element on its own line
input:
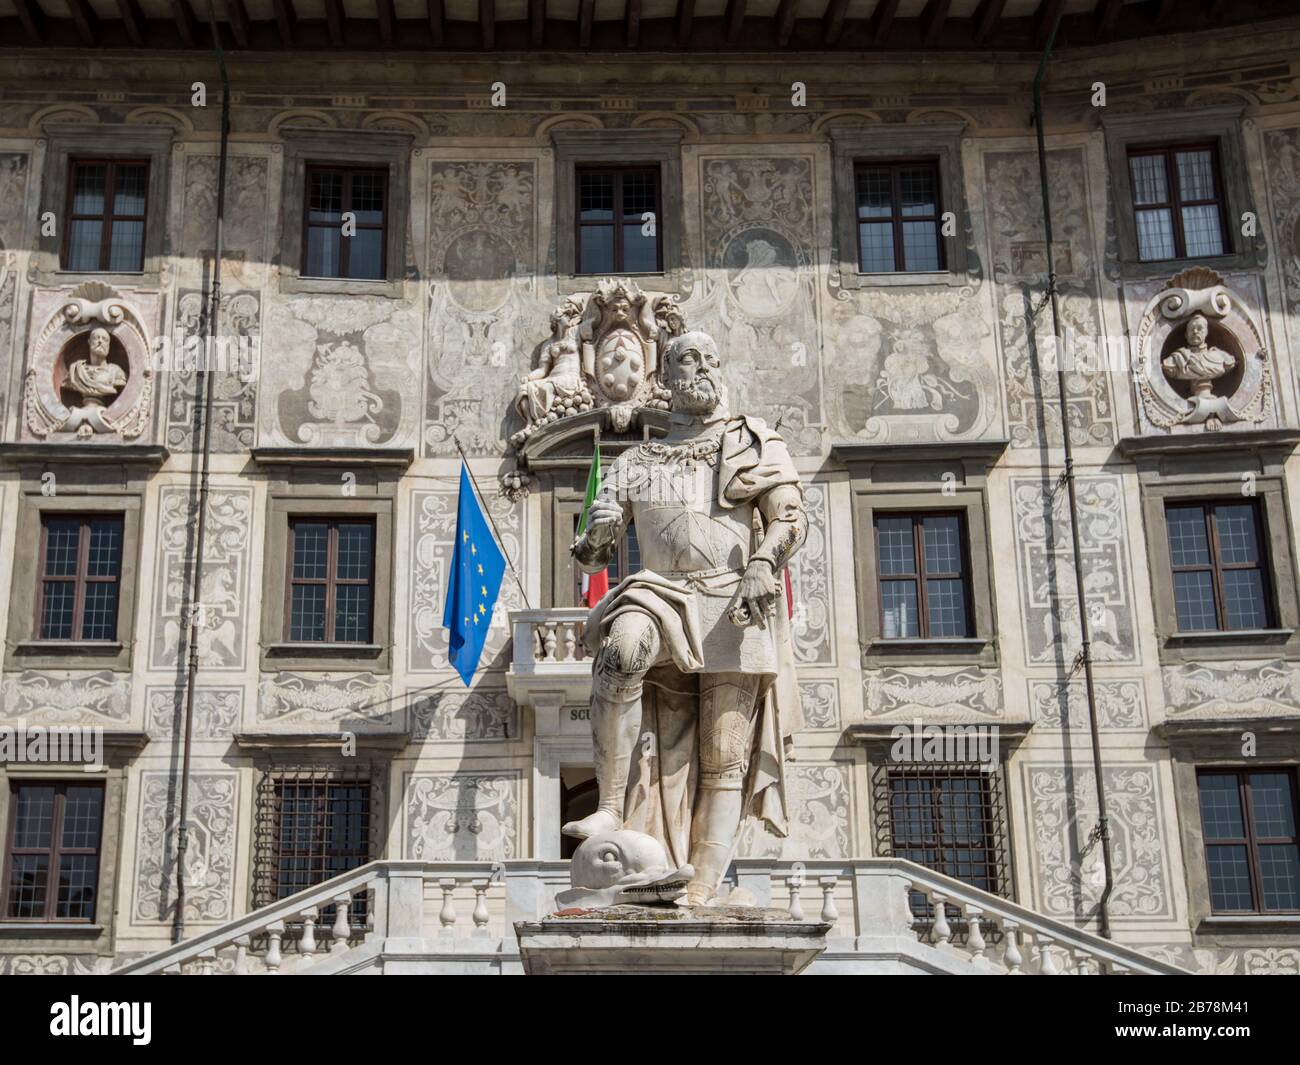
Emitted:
<point x="673" y="490"/>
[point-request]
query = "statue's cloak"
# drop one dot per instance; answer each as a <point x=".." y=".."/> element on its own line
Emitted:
<point x="661" y="790"/>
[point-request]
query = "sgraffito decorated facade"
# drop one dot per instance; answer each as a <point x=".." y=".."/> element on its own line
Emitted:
<point x="351" y="399"/>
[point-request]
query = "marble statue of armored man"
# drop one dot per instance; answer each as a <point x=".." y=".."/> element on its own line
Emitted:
<point x="693" y="685"/>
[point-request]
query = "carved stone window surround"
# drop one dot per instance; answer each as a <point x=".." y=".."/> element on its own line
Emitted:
<point x="345" y="148"/>
<point x="1218" y="746"/>
<point x="1216" y="467"/>
<point x="1219" y="124"/>
<point x="68" y="141"/>
<point x="105" y="488"/>
<point x="307" y="483"/>
<point x="940" y="141"/>
<point x="662" y="147"/>
<point x="895" y="477"/>
<point x="28" y="937"/>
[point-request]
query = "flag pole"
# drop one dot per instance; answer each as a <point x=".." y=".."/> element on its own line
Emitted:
<point x="488" y="514"/>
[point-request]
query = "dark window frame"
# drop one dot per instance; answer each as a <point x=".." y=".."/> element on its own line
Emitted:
<point x="331" y="580"/>
<point x="896" y="217"/>
<point x="1251" y="841"/>
<point x="1216" y="567"/>
<point x="1176" y="203"/>
<point x="617" y="171"/>
<point x="81" y="579"/>
<point x="56" y="851"/>
<point x="920" y="576"/>
<point x="108" y="218"/>
<point x="348" y="171"/>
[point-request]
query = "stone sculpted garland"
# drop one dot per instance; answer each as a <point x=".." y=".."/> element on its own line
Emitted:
<point x="73" y="384"/>
<point x="693" y="682"/>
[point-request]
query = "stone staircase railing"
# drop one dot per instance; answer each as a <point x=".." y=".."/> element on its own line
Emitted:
<point x="967" y="930"/>
<point x="458" y="917"/>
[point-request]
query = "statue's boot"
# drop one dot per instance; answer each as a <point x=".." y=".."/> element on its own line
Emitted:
<point x="614" y="725"/>
<point x="716" y="819"/>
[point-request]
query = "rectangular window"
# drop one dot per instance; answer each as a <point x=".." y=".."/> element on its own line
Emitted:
<point x="80" y="569"/>
<point x="353" y="247"/>
<point x="52" y="858"/>
<point x="1219" y="570"/>
<point x="951" y="818"/>
<point x="1252" y="853"/>
<point x="898" y="213"/>
<point x="618" y="219"/>
<point x="924" y="576"/>
<point x="1178" y="202"/>
<point x="313" y="824"/>
<point x="330" y="587"/>
<point x="107" y="199"/>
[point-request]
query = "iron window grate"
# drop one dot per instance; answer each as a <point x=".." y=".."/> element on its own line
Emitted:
<point x="949" y="817"/>
<point x="313" y="823"/>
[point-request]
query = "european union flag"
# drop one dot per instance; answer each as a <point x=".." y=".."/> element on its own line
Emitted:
<point x="474" y="580"/>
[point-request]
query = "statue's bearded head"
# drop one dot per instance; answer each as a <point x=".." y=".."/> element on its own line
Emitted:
<point x="1197" y="330"/>
<point x="692" y="372"/>
<point x="99" y="345"/>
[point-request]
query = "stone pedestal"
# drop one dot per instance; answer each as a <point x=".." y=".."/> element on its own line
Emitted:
<point x="664" y="940"/>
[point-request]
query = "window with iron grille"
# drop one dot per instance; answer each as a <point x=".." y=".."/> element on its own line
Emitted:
<point x="80" y="569"/>
<point x="924" y="576"/>
<point x="52" y="855"/>
<point x="1252" y="851"/>
<point x="1221" y="580"/>
<point x="1178" y="202"/>
<point x="332" y="192"/>
<point x="331" y="585"/>
<point x="947" y="817"/>
<point x="898" y="213"/>
<point x="313" y="824"/>
<point x="107" y="201"/>
<point x="612" y="208"/>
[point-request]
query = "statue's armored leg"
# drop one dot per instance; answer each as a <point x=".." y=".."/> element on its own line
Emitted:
<point x="627" y="652"/>
<point x="727" y="713"/>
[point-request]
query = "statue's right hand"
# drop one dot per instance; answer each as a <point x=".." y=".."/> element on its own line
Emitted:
<point x="602" y="521"/>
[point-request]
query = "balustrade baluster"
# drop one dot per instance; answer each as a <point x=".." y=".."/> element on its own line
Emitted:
<point x="795" y="885"/>
<point x="274" y="931"/>
<point x="307" y="944"/>
<point x="975" y="944"/>
<point x="241" y="955"/>
<point x="1011" y="956"/>
<point x="570" y="641"/>
<point x="941" y="931"/>
<point x="342" y="929"/>
<point x="447" y="915"/>
<point x="207" y="962"/>
<point x="829" y="913"/>
<point x="1046" y="958"/>
<point x="548" y="642"/>
<point x="481" y="908"/>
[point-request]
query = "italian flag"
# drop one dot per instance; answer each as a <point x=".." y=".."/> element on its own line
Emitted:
<point x="594" y="585"/>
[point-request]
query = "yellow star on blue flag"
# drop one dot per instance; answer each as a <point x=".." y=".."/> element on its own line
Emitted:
<point x="474" y="582"/>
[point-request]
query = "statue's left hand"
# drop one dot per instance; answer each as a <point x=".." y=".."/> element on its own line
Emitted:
<point x="757" y="591"/>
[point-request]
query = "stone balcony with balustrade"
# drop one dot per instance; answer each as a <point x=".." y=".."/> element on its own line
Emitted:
<point x="549" y="666"/>
<point x="459" y="918"/>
